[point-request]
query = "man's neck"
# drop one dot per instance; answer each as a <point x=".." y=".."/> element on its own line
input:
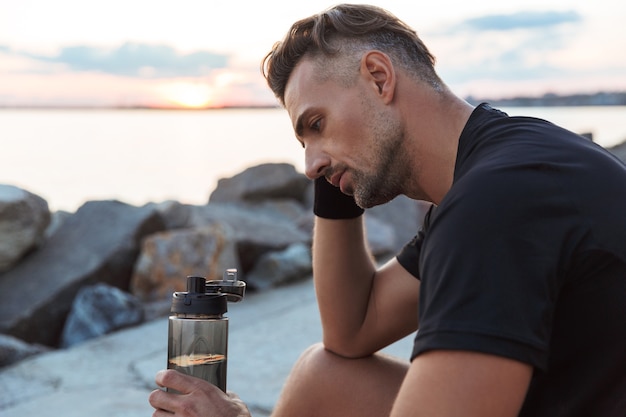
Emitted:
<point x="434" y="126"/>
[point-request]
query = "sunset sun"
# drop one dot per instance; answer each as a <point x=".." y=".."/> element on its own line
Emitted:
<point x="189" y="95"/>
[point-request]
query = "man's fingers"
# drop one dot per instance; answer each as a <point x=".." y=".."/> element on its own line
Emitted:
<point x="162" y="402"/>
<point x="197" y="397"/>
<point x="169" y="378"/>
<point x="186" y="384"/>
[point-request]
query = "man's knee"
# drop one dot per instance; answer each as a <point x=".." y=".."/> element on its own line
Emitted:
<point x="314" y="358"/>
<point x="321" y="378"/>
<point x="317" y="364"/>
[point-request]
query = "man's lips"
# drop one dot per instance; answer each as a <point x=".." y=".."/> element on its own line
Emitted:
<point x="336" y="180"/>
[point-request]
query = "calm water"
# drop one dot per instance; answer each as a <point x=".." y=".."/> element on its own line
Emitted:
<point x="137" y="156"/>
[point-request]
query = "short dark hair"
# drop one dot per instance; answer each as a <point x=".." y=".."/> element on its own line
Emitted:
<point x="348" y="27"/>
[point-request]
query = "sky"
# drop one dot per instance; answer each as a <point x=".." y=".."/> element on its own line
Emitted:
<point x="207" y="53"/>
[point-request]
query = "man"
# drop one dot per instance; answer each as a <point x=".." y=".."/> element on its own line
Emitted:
<point x="517" y="280"/>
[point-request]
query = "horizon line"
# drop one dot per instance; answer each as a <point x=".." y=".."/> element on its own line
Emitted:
<point x="548" y="99"/>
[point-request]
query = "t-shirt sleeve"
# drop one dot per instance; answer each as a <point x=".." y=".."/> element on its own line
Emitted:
<point x="410" y="253"/>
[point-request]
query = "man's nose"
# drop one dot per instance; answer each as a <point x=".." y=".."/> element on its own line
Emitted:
<point x="315" y="162"/>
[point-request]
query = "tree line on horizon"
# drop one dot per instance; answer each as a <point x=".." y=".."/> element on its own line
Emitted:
<point x="600" y="98"/>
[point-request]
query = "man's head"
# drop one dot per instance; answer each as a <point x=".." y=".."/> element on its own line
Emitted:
<point x="339" y="36"/>
<point x="361" y="91"/>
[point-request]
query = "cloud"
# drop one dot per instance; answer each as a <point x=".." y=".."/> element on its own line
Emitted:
<point x="521" y="20"/>
<point x="137" y="60"/>
<point x="508" y="48"/>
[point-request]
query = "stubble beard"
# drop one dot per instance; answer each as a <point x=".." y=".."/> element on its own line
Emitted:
<point x="386" y="181"/>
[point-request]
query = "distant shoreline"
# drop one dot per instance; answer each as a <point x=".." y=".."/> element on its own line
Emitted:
<point x="601" y="98"/>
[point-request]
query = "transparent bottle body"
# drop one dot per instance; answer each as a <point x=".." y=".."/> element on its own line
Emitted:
<point x="198" y="346"/>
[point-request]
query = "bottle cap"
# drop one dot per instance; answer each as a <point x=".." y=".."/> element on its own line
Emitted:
<point x="196" y="301"/>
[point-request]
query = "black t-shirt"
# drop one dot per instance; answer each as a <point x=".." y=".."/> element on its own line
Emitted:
<point x="525" y="258"/>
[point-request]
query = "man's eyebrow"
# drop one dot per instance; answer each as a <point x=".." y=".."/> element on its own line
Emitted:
<point x="299" y="127"/>
<point x="301" y="120"/>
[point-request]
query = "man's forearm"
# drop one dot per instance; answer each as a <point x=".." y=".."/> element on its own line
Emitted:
<point x="343" y="271"/>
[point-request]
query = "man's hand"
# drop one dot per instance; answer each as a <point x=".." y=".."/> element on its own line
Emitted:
<point x="197" y="398"/>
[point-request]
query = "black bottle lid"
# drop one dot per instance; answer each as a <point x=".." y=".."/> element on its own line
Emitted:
<point x="196" y="301"/>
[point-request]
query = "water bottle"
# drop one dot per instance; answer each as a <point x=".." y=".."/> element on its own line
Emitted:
<point x="198" y="329"/>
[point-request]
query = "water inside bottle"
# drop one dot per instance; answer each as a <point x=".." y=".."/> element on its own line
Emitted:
<point x="207" y="366"/>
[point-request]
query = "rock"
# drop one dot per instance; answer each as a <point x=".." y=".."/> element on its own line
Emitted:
<point x="167" y="258"/>
<point x="156" y="309"/>
<point x="56" y="220"/>
<point x="404" y="215"/>
<point x="13" y="350"/>
<point x="381" y="237"/>
<point x="99" y="243"/>
<point x="281" y="267"/>
<point x="257" y="228"/>
<point x="24" y="217"/>
<point x="175" y="215"/>
<point x="98" y="310"/>
<point x="261" y="182"/>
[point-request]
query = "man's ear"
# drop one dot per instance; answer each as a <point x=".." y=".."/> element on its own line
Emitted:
<point x="378" y="68"/>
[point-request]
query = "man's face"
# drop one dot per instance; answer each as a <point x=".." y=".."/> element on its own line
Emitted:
<point x="348" y="135"/>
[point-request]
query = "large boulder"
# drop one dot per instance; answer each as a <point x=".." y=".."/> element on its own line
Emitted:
<point x="98" y="310"/>
<point x="24" y="218"/>
<point x="168" y="257"/>
<point x="99" y="243"/>
<point x="261" y="182"/>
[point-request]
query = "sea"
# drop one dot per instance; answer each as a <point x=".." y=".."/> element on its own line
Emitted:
<point x="138" y="156"/>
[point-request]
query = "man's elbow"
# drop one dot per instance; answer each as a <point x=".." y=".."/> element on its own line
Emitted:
<point x="348" y="348"/>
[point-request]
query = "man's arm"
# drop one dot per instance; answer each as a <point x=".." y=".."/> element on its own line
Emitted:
<point x="453" y="383"/>
<point x="363" y="309"/>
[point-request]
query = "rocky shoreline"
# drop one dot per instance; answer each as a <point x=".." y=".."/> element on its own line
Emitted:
<point x="68" y="277"/>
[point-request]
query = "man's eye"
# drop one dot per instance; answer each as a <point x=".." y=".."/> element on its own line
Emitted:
<point x="316" y="125"/>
